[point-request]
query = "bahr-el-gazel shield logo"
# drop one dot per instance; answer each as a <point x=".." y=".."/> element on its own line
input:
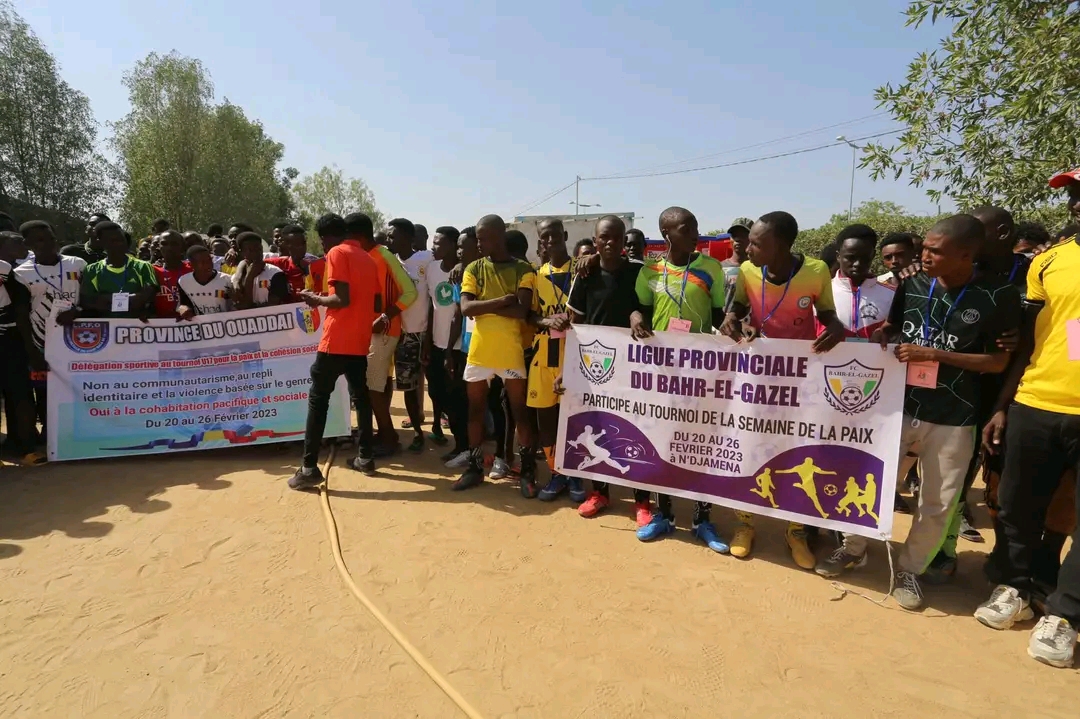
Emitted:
<point x="597" y="362"/>
<point x="853" y="387"/>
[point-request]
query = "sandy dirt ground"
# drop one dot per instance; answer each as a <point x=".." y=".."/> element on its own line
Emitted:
<point x="199" y="585"/>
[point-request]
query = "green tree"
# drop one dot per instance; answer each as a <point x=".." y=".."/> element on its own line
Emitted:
<point x="189" y="160"/>
<point x="883" y="216"/>
<point x="992" y="113"/>
<point x="328" y="190"/>
<point x="47" y="131"/>
<point x="887" y="217"/>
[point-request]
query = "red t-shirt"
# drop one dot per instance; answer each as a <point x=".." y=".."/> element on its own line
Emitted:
<point x="294" y="273"/>
<point x="316" y="279"/>
<point x="168" y="296"/>
<point x="347" y="331"/>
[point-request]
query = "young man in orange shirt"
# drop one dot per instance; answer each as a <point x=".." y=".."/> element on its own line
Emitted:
<point x="351" y="309"/>
<point x="398" y="292"/>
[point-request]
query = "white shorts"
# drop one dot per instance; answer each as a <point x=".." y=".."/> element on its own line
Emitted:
<point x="476" y="373"/>
<point x="380" y="361"/>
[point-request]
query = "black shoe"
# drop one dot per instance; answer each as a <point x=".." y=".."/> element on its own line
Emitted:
<point x="362" y="464"/>
<point x="970" y="533"/>
<point x="473" y="476"/>
<point x="941" y="570"/>
<point x="301" y="481"/>
<point x="527" y="477"/>
<point x="386" y="450"/>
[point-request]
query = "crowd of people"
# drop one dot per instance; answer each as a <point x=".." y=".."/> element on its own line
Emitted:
<point x="983" y="311"/>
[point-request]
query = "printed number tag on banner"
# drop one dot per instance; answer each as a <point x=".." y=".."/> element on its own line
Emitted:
<point x="120" y="301"/>
<point x="922" y="374"/>
<point x="1072" y="336"/>
<point x="675" y="325"/>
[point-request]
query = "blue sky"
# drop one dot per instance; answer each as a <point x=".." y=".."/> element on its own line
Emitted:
<point x="450" y="111"/>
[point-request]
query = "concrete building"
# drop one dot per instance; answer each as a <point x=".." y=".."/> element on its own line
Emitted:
<point x="578" y="227"/>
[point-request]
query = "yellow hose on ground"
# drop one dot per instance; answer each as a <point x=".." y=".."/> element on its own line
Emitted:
<point x="331" y="529"/>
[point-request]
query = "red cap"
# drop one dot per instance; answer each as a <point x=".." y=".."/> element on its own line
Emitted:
<point x="1065" y="178"/>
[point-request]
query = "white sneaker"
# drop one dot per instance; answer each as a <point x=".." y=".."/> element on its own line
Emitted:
<point x="461" y="461"/>
<point x="1053" y="642"/>
<point x="1004" y="608"/>
<point x="499" y="469"/>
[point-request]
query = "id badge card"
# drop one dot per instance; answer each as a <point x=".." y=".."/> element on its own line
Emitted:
<point x="677" y="325"/>
<point x="121" y="301"/>
<point x="1072" y="338"/>
<point x="922" y="374"/>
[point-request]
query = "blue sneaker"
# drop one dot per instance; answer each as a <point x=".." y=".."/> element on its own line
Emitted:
<point x="657" y="527"/>
<point x="554" y="488"/>
<point x="706" y="532"/>
<point x="577" y="490"/>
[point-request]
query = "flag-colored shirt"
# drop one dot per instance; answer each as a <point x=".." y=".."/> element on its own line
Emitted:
<point x="786" y="310"/>
<point x="689" y="292"/>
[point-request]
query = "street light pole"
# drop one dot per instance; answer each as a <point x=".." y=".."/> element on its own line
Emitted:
<point x="583" y="204"/>
<point x="577" y="193"/>
<point x="854" y="156"/>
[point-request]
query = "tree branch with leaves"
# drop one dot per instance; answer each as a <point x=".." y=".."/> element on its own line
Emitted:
<point x="992" y="113"/>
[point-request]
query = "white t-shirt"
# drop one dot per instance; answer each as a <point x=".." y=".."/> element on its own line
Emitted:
<point x="863" y="310"/>
<point x="46" y="284"/>
<point x="260" y="291"/>
<point x="441" y="292"/>
<point x="414" y="318"/>
<point x="208" y="299"/>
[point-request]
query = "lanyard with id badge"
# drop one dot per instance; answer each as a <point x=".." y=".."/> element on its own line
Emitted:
<point x="787" y="285"/>
<point x="679" y="324"/>
<point x="121" y="300"/>
<point x="924" y="374"/>
<point x="856" y="318"/>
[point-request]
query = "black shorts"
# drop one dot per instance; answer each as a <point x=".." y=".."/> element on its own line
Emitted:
<point x="407" y="368"/>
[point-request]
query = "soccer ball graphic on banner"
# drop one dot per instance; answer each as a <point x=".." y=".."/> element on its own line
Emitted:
<point x="851" y="396"/>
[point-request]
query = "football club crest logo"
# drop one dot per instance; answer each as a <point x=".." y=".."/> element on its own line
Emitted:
<point x="307" y="318"/>
<point x="597" y="362"/>
<point x="87" y="337"/>
<point x="852" y="388"/>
